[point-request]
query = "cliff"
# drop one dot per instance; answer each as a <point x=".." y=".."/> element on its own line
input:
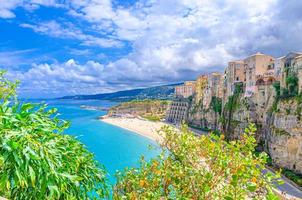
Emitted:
<point x="285" y="134"/>
<point x="150" y="109"/>
<point x="279" y="124"/>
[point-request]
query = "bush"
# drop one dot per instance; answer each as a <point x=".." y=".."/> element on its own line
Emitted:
<point x="292" y="85"/>
<point x="277" y="87"/>
<point x="205" y="167"/>
<point x="292" y="176"/>
<point x="38" y="161"/>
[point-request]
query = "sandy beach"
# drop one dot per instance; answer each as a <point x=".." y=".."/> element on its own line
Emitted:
<point x="140" y="126"/>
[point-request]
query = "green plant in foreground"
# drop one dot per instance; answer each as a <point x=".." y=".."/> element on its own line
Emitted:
<point x="38" y="161"/>
<point x="206" y="167"/>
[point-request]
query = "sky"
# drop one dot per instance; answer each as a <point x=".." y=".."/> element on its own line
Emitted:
<point x="68" y="47"/>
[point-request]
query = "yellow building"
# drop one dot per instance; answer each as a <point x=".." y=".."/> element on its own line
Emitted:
<point x="201" y="84"/>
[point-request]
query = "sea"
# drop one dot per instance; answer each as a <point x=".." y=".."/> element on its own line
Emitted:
<point x="113" y="147"/>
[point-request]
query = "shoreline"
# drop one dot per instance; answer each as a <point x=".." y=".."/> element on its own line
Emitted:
<point x="145" y="128"/>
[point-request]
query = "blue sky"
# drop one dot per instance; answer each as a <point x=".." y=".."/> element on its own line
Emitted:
<point x="66" y="47"/>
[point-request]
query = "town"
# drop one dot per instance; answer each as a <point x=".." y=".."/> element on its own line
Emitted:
<point x="259" y="89"/>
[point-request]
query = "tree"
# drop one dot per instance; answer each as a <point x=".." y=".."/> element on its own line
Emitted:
<point x="205" y="167"/>
<point x="37" y="160"/>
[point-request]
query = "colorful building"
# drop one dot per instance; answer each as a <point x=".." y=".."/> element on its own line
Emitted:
<point x="234" y="73"/>
<point x="186" y="90"/>
<point x="201" y="85"/>
<point x="292" y="66"/>
<point x="256" y="65"/>
<point x="213" y="88"/>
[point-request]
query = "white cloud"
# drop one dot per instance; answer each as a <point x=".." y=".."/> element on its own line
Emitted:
<point x="54" y="29"/>
<point x="171" y="40"/>
<point x="6" y="8"/>
<point x="60" y="78"/>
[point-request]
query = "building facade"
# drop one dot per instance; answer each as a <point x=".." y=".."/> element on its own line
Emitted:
<point x="292" y="66"/>
<point x="186" y="90"/>
<point x="234" y="73"/>
<point x="214" y="88"/>
<point x="201" y="85"/>
<point x="178" y="111"/>
<point x="256" y="65"/>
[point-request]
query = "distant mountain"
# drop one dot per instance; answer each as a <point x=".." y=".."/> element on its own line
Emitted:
<point x="158" y="92"/>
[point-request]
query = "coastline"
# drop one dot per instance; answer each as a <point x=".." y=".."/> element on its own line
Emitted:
<point x="139" y="126"/>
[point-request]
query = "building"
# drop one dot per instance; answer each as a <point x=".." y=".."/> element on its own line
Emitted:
<point x="292" y="66"/>
<point x="234" y="73"/>
<point x="213" y="88"/>
<point x="186" y="90"/>
<point x="178" y="111"/>
<point x="279" y="63"/>
<point x="256" y="65"/>
<point x="201" y="84"/>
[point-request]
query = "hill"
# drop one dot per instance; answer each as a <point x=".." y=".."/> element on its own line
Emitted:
<point x="157" y="92"/>
<point x="154" y="110"/>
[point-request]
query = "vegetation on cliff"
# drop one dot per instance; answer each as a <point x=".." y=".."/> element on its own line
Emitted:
<point x="38" y="161"/>
<point x="228" y="111"/>
<point x="207" y="167"/>
<point x="216" y="106"/>
<point x="154" y="110"/>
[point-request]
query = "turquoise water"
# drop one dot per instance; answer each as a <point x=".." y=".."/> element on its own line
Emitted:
<point x="114" y="147"/>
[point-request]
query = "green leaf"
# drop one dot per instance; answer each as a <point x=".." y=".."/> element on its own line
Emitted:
<point x="251" y="186"/>
<point x="32" y="175"/>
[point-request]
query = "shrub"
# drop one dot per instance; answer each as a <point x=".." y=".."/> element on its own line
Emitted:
<point x="206" y="167"/>
<point x="38" y="161"/>
<point x="292" y="85"/>
<point x="277" y="87"/>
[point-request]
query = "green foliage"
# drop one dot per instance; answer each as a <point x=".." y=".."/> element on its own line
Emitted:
<point x="227" y="118"/>
<point x="292" y="85"/>
<point x="153" y="118"/>
<point x="277" y="87"/>
<point x="292" y="176"/>
<point x="7" y="88"/>
<point x="238" y="88"/>
<point x="205" y="167"/>
<point x="37" y="160"/>
<point x="216" y="104"/>
<point x="154" y="110"/>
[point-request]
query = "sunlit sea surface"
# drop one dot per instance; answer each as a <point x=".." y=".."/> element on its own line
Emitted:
<point x="114" y="147"/>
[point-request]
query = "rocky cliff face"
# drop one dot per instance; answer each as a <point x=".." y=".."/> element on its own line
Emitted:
<point x="279" y="124"/>
<point x="202" y="118"/>
<point x="285" y="135"/>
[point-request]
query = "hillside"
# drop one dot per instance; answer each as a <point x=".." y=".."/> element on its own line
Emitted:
<point x="158" y="92"/>
<point x="153" y="110"/>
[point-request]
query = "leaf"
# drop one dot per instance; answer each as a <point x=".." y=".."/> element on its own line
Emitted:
<point x="27" y="106"/>
<point x="32" y="175"/>
<point x="251" y="186"/>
